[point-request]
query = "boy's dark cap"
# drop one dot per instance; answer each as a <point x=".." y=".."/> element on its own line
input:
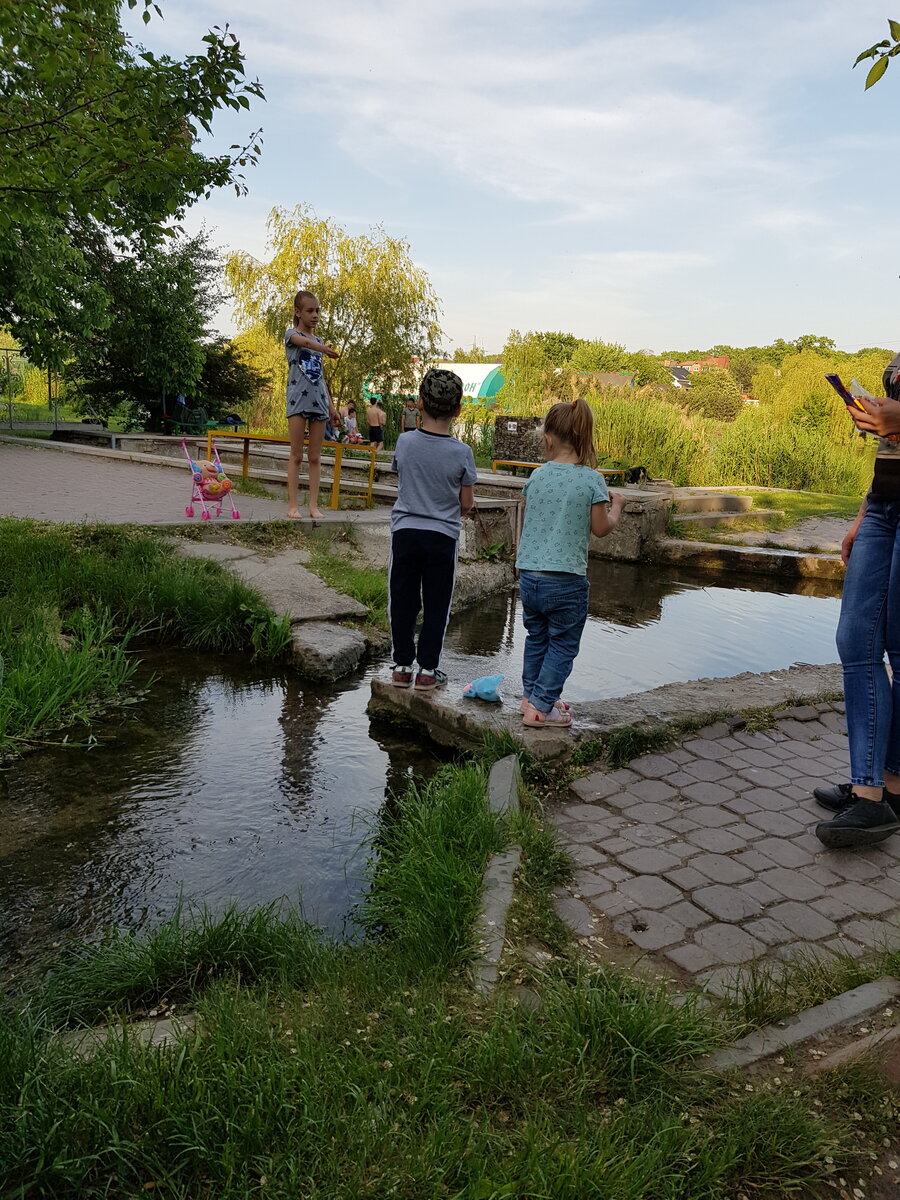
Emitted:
<point x="442" y="389"/>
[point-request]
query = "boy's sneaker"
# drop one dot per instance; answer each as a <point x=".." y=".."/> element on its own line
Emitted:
<point x="401" y="676"/>
<point x="862" y="823"/>
<point x="427" y="681"/>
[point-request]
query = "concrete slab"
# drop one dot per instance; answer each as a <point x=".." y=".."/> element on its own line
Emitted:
<point x="289" y="588"/>
<point x="490" y="928"/>
<point x="325" y="651"/>
<point x="157" y="1034"/>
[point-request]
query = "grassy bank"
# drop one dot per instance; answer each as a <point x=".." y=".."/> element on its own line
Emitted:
<point x="73" y="597"/>
<point x="791" y="507"/>
<point x="353" y="1071"/>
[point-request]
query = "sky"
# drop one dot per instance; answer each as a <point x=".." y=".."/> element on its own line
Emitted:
<point x="666" y="176"/>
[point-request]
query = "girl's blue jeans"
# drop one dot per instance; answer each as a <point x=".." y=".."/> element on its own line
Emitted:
<point x="554" y="609"/>
<point x="869" y="627"/>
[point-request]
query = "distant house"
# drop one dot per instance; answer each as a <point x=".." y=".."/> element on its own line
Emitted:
<point x="681" y="376"/>
<point x="696" y="365"/>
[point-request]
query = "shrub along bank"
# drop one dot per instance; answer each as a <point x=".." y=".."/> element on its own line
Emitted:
<point x="344" y="1071"/>
<point x="72" y="598"/>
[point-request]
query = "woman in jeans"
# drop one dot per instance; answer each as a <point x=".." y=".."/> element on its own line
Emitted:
<point x="869" y="810"/>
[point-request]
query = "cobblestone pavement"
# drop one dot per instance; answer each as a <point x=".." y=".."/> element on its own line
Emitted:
<point x="705" y="856"/>
<point x="53" y="485"/>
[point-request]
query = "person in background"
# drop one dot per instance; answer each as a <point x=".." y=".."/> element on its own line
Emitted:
<point x="350" y="426"/>
<point x="868" y="809"/>
<point x="376" y="419"/>
<point x="410" y="419"/>
<point x="308" y="400"/>
<point x="434" y="491"/>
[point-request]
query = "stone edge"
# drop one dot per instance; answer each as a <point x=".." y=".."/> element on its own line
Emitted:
<point x="497" y="885"/>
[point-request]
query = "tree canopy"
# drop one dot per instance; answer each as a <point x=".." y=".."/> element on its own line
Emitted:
<point x="98" y="152"/>
<point x="378" y="307"/>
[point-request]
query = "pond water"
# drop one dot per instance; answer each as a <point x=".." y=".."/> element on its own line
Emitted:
<point x="229" y="784"/>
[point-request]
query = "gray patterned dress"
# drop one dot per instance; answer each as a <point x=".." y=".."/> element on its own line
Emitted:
<point x="307" y="393"/>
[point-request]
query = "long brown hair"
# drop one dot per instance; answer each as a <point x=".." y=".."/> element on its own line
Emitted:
<point x="573" y="423"/>
<point x="298" y="300"/>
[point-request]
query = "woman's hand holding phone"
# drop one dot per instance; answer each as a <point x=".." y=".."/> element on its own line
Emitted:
<point x="881" y="416"/>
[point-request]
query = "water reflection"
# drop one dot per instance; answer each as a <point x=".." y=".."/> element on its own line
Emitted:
<point x="224" y="786"/>
<point x="649" y="626"/>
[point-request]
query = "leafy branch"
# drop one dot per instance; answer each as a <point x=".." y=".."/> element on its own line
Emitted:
<point x="882" y="52"/>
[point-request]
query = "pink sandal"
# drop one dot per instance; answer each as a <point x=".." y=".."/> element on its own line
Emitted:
<point x="560" y="704"/>
<point x="535" y="719"/>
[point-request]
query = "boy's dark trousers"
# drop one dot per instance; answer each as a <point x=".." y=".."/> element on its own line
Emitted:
<point x="422" y="574"/>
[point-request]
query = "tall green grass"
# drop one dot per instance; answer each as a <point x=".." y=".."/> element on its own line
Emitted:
<point x="71" y="599"/>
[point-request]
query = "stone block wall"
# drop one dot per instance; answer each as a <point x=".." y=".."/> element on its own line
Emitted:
<point x="519" y="439"/>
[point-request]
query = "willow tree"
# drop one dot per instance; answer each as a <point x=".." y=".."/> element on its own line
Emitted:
<point x="378" y="308"/>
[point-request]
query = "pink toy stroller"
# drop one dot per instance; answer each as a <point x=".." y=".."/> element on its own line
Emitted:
<point x="209" y="485"/>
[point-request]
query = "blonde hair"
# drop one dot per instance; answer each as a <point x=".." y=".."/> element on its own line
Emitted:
<point x="573" y="424"/>
<point x="298" y="300"/>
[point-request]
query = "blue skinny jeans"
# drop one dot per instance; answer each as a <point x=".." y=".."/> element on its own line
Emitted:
<point x="869" y="627"/>
<point x="554" y="609"/>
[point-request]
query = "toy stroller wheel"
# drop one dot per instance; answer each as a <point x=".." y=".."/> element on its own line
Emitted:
<point x="206" y="516"/>
<point x="235" y="515"/>
<point x="189" y="511"/>
<point x="218" y="512"/>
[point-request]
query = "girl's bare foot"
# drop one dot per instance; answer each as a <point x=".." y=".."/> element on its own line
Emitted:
<point x="293" y="514"/>
<point x="315" y="513"/>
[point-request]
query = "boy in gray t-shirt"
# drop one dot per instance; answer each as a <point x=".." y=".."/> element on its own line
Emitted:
<point x="435" y="490"/>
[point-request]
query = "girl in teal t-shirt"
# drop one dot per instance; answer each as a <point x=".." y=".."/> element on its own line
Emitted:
<point x="565" y="502"/>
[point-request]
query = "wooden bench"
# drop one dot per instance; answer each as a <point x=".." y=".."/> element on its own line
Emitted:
<point x="610" y="474"/>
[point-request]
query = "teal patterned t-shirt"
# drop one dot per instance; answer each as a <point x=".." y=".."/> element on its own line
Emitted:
<point x="557" y="528"/>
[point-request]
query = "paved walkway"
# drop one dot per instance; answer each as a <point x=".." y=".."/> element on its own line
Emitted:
<point x="55" y="485"/>
<point x="705" y="856"/>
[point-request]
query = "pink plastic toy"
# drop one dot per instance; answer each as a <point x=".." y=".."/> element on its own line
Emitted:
<point x="209" y="485"/>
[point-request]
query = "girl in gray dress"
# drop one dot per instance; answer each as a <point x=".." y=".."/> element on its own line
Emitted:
<point x="308" y="401"/>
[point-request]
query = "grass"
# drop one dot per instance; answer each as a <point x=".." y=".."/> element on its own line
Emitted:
<point x="361" y="1071"/>
<point x="368" y="585"/>
<point x="792" y="507"/>
<point x="65" y="655"/>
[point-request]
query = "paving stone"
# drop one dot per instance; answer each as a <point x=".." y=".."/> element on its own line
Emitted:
<point x="783" y="852"/>
<point x="803" y="712"/>
<point x="649" y="861"/>
<point x="615" y="874"/>
<point x="654" y="766"/>
<point x="762" y="777"/>
<point x="653" y="813"/>
<point x="702" y="749"/>
<point x="792" y="884"/>
<point x="764" y="798"/>
<point x="623" y="777"/>
<point x="865" y="901"/>
<point x="688" y="915"/>
<point x="584" y="812"/>
<point x="727" y="903"/>
<point x="753" y="860"/>
<point x="649" y="929"/>
<point x="647" y="835"/>
<point x="777" y="823"/>
<point x="708" y="816"/>
<point x="575" y="914"/>
<point x="728" y="943"/>
<point x="718" y="841"/>
<point x="587" y="856"/>
<point x="652" y="790"/>
<point x="845" y="945"/>
<point x="682" y="824"/>
<point x="617" y="845"/>
<point x="756" y="758"/>
<point x="805" y="952"/>
<point x="741" y="805"/>
<point x="687" y="878"/>
<point x="708" y="792"/>
<point x="761" y="892"/>
<point x="680" y="756"/>
<point x="802" y="920"/>
<point x="706" y="771"/>
<point x="679" y="779"/>
<point x="759" y="740"/>
<point x="594" y="787"/>
<point x="794" y="730"/>
<point x="768" y="931"/>
<point x="747" y="833"/>
<point x="878" y="857"/>
<point x="871" y="933"/>
<point x="621" y="801"/>
<point x="890" y="887"/>
<point x="715" y="731"/>
<point x="722" y="981"/>
<point x="834" y="910"/>
<point x="590" y="883"/>
<point x="650" y="891"/>
<point x="581" y="831"/>
<point x="691" y="958"/>
<point x="848" y="866"/>
<point x="808" y="750"/>
<point x="719" y="868"/>
<point x="612" y="905"/>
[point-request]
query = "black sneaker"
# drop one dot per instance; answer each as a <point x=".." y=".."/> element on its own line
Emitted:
<point x="401" y="676"/>
<point x="840" y="796"/>
<point x="427" y="681"/>
<point x="834" y="798"/>
<point x="862" y="823"/>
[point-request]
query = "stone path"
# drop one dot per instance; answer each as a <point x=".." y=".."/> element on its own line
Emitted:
<point x="823" y="533"/>
<point x="705" y="856"/>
